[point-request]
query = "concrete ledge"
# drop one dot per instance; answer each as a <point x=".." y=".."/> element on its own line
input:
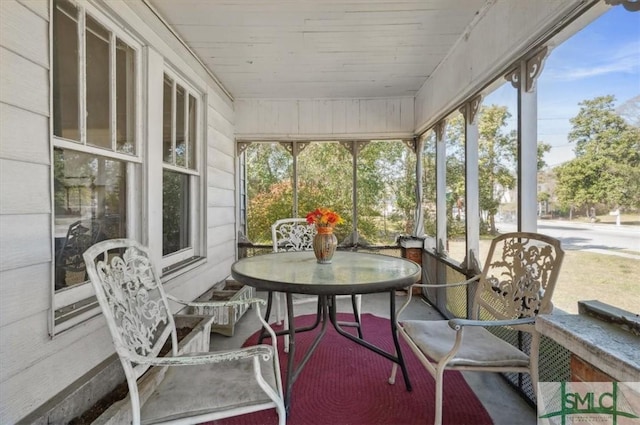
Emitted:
<point x="604" y="344"/>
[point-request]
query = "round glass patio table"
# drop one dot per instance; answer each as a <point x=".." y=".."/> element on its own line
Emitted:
<point x="349" y="273"/>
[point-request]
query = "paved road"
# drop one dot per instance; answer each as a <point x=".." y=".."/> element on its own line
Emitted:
<point x="596" y="237"/>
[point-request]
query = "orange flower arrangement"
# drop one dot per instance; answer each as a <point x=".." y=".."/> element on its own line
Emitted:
<point x="324" y="217"/>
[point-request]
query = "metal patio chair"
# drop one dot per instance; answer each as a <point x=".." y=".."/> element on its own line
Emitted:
<point x="295" y="234"/>
<point x="192" y="387"/>
<point x="516" y="284"/>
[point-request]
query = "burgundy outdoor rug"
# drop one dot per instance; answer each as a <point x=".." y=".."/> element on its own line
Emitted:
<point x="346" y="384"/>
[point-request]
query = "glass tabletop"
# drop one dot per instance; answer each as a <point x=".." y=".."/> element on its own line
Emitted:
<point x="348" y="273"/>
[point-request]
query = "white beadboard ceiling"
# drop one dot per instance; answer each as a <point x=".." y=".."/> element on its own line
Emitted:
<point x="321" y="48"/>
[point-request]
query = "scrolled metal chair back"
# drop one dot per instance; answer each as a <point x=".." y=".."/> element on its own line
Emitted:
<point x="292" y="234"/>
<point x="132" y="299"/>
<point x="519" y="277"/>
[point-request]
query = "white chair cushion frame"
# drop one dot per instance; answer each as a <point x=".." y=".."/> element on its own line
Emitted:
<point x="192" y="387"/>
<point x="295" y="234"/>
<point x="516" y="284"/>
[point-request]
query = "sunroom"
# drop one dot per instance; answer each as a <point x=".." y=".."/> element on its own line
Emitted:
<point x="192" y="126"/>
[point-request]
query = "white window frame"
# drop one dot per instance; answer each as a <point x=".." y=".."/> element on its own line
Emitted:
<point x="197" y="185"/>
<point x="80" y="293"/>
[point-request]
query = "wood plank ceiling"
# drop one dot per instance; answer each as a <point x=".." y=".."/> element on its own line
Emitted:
<point x="321" y="48"/>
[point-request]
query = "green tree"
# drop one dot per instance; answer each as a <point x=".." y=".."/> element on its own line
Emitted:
<point x="497" y="159"/>
<point x="455" y="175"/>
<point x="385" y="175"/>
<point x="606" y="170"/>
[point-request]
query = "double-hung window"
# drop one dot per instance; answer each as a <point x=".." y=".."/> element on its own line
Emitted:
<point x="96" y="160"/>
<point x="181" y="185"/>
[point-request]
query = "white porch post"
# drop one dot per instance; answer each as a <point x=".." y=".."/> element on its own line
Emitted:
<point x="528" y="72"/>
<point x="418" y="225"/>
<point x="472" y="191"/>
<point x="441" y="188"/>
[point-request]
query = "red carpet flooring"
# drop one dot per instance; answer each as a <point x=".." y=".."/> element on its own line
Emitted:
<point x="346" y="384"/>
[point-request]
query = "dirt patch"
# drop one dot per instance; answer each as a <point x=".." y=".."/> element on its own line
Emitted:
<point x="119" y="392"/>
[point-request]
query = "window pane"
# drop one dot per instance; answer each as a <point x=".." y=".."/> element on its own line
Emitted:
<point x="65" y="71"/>
<point x="175" y="212"/>
<point x="269" y="189"/>
<point x="125" y="98"/>
<point x="193" y="113"/>
<point x="429" y="183"/>
<point x="386" y="192"/>
<point x="325" y="179"/>
<point x="167" y="121"/>
<point x="97" y="67"/>
<point x="90" y="205"/>
<point x="181" y="146"/>
<point x="497" y="162"/>
<point x="455" y="195"/>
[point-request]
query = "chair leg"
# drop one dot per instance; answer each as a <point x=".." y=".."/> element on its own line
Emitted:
<point x="394" y="371"/>
<point x="286" y="327"/>
<point x="439" y="378"/>
<point x="356" y="304"/>
<point x="533" y="363"/>
<point x="279" y="314"/>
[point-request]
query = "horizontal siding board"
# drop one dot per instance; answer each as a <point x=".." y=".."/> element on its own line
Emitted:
<point x="24" y="240"/>
<point x="220" y="160"/>
<point x="222" y="235"/>
<point x="24" y="32"/>
<point x="221" y="105"/>
<point x="220" y="122"/>
<point x="221" y="179"/>
<point x="24" y="135"/>
<point x="219" y="216"/>
<point x="24" y="188"/>
<point x="223" y="253"/>
<point x="220" y="197"/>
<point x="220" y="141"/>
<point x="24" y="292"/>
<point x="34" y="383"/>
<point x="23" y="83"/>
<point x="246" y="121"/>
<point x="40" y="7"/>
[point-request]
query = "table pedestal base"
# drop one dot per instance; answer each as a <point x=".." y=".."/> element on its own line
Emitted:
<point x="327" y="310"/>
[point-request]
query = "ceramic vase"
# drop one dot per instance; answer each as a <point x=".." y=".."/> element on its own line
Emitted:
<point x="324" y="244"/>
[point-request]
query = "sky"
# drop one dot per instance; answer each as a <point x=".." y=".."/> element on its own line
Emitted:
<point x="601" y="59"/>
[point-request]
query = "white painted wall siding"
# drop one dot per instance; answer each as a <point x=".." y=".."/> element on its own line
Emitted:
<point x="324" y="119"/>
<point x="36" y="367"/>
<point x="496" y="40"/>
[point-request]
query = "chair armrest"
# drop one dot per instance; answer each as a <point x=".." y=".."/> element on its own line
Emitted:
<point x="265" y="351"/>
<point x="457" y="324"/>
<point x="446" y="285"/>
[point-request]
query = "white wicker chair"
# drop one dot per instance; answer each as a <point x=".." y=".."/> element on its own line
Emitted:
<point x="192" y="387"/>
<point x="295" y="234"/>
<point x="516" y="284"/>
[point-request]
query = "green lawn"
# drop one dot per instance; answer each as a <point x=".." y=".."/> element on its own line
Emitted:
<point x="587" y="276"/>
<point x="607" y="278"/>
